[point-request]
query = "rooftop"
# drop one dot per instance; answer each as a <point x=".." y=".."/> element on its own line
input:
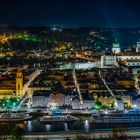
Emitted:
<point x="128" y="54"/>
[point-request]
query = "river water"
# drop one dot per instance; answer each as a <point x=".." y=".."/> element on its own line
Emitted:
<point x="34" y="126"/>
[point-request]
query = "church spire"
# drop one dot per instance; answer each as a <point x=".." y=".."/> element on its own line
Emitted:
<point x="19" y="82"/>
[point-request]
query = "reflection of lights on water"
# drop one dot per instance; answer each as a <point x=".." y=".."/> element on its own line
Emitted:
<point x="66" y="127"/>
<point x="29" y="125"/>
<point x="48" y="127"/>
<point x="125" y="111"/>
<point x="86" y="125"/>
<point x="134" y="106"/>
<point x="21" y="125"/>
<point x="106" y="112"/>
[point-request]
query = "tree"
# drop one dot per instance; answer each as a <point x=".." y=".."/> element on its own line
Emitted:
<point x="17" y="133"/>
<point x="98" y="105"/>
<point x="5" y="131"/>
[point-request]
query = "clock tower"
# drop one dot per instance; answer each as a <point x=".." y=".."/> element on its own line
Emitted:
<point x="19" y="82"/>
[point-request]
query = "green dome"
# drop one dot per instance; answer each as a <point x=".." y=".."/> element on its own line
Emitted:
<point x="116" y="45"/>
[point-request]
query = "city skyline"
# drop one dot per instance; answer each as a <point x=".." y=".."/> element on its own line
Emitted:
<point x="70" y="69"/>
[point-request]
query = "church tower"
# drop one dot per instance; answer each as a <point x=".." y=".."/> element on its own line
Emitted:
<point x="138" y="46"/>
<point x="19" y="82"/>
<point x="116" y="47"/>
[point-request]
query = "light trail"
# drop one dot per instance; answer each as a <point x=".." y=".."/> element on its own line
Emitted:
<point x="110" y="91"/>
<point x="25" y="88"/>
<point x="77" y="86"/>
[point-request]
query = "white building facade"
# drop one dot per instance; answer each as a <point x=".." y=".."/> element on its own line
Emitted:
<point x="87" y="104"/>
<point x="80" y="65"/>
<point x="108" y="60"/>
<point x="116" y="48"/>
<point x="138" y="47"/>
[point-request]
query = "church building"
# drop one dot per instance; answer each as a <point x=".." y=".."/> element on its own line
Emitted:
<point x="12" y="85"/>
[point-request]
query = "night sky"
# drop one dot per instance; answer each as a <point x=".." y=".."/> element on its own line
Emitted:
<point x="70" y="13"/>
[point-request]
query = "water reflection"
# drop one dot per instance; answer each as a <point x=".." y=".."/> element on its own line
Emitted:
<point x="21" y="125"/>
<point x="66" y="127"/>
<point x="29" y="125"/>
<point x="35" y="126"/>
<point x="86" y="126"/>
<point x="48" y="127"/>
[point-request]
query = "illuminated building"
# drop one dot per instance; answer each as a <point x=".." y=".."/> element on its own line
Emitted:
<point x="126" y="83"/>
<point x="47" y="99"/>
<point x="88" y="102"/>
<point x="19" y="82"/>
<point x="68" y="99"/>
<point x="57" y="99"/>
<point x="108" y="60"/>
<point x="131" y="63"/>
<point x="12" y="88"/>
<point x="128" y="56"/>
<point x="138" y="47"/>
<point x="130" y="59"/>
<point x="105" y="99"/>
<point x="136" y="103"/>
<point x="41" y="99"/>
<point x="127" y="100"/>
<point x="116" y="48"/>
<point x="80" y="65"/>
<point x="120" y="104"/>
<point x="125" y="58"/>
<point x="68" y="84"/>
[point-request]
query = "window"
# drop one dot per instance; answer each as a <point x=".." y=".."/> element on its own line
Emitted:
<point x="18" y="86"/>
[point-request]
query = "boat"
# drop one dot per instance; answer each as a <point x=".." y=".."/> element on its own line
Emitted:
<point x="116" y="117"/>
<point x="58" y="118"/>
<point x="14" y="117"/>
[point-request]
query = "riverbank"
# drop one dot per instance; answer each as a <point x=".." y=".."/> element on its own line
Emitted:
<point x="96" y="135"/>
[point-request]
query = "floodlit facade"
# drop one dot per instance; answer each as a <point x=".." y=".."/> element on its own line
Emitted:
<point x="12" y="88"/>
<point x="116" y="48"/>
<point x="80" y="65"/>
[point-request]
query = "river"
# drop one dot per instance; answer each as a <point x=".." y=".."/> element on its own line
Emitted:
<point x="34" y="126"/>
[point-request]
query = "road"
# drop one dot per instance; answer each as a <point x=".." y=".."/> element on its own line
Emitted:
<point x="25" y="87"/>
<point x="73" y="135"/>
<point x="110" y="91"/>
<point x="77" y="86"/>
<point x="137" y="83"/>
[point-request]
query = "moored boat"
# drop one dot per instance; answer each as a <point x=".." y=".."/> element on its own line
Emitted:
<point x="116" y="117"/>
<point x="59" y="118"/>
<point x="14" y="117"/>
